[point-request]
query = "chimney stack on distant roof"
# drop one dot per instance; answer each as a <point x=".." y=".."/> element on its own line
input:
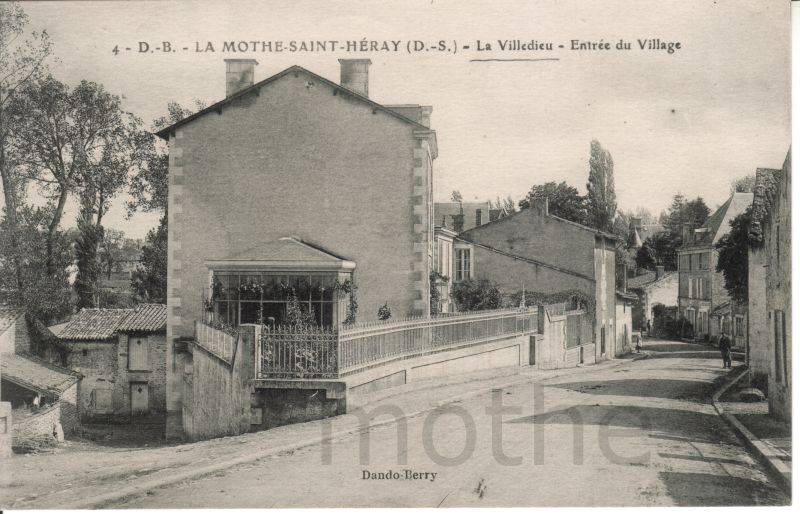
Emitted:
<point x="239" y="75"/>
<point x="659" y="272"/>
<point x="355" y="75"/>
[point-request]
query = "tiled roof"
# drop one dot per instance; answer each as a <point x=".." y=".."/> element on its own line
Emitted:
<point x="148" y="317"/>
<point x="8" y="315"/>
<point x="99" y="324"/>
<point x="641" y="280"/>
<point x="34" y="373"/>
<point x="646" y="279"/>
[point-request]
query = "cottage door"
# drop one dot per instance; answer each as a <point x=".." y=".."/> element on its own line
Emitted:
<point x="140" y="401"/>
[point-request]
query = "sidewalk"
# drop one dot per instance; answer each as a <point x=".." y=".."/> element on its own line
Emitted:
<point x="768" y="438"/>
<point x="89" y="476"/>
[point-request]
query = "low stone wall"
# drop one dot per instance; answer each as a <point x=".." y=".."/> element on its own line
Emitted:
<point x="217" y="395"/>
<point x="37" y="429"/>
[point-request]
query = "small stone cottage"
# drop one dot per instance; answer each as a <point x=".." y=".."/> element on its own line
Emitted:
<point x="121" y="356"/>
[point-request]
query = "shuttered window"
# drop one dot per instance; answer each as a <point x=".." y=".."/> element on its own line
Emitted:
<point x="137" y="354"/>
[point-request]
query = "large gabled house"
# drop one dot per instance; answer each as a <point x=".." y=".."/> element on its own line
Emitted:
<point x="546" y="256"/>
<point x="701" y="289"/>
<point x="334" y="186"/>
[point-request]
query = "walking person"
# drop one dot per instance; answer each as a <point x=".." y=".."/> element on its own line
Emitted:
<point x="725" y="350"/>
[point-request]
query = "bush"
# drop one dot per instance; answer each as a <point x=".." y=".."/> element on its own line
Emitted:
<point x="384" y="312"/>
<point x="477" y="295"/>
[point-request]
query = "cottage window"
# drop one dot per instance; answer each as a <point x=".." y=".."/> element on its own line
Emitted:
<point x="137" y="354"/>
<point x="250" y="297"/>
<point x="463" y="271"/>
<point x="704" y="260"/>
<point x="478" y="217"/>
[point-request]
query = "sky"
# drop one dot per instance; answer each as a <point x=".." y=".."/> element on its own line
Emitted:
<point x="689" y="122"/>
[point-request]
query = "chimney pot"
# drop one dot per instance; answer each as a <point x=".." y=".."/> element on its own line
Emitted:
<point x="354" y="75"/>
<point x="239" y="74"/>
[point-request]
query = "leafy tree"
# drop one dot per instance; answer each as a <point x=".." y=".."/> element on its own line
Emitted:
<point x="505" y="206"/>
<point x="75" y="141"/>
<point x="743" y="184"/>
<point x="733" y="256"/>
<point x="659" y="250"/>
<point x="693" y="212"/>
<point x="455" y="196"/>
<point x="149" y="280"/>
<point x="148" y="188"/>
<point x="149" y="192"/>
<point x="384" y="312"/>
<point x="91" y="234"/>
<point x="46" y="297"/>
<point x="22" y="57"/>
<point x="477" y="295"/>
<point x="563" y="200"/>
<point x="601" y="198"/>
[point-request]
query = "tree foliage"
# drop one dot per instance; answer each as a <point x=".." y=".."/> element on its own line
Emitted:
<point x="477" y="295"/>
<point x="732" y="261"/>
<point x="744" y="184"/>
<point x="149" y="280"/>
<point x="46" y="297"/>
<point x="659" y="250"/>
<point x="75" y="141"/>
<point x="148" y="188"/>
<point x="91" y="235"/>
<point x="601" y="199"/>
<point x="563" y="201"/>
<point x="22" y="57"/>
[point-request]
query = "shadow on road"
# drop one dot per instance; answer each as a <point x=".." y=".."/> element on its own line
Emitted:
<point x="702" y="489"/>
<point x="690" y="426"/>
<point x="696" y="390"/>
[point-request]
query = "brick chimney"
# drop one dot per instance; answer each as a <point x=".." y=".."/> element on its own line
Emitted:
<point x="238" y="75"/>
<point x="687" y="234"/>
<point x="354" y="75"/>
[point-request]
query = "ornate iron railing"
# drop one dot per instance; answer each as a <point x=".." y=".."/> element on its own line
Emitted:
<point x="313" y="352"/>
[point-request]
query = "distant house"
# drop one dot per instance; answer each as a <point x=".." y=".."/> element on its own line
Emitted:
<point x="546" y="255"/>
<point x="639" y="232"/>
<point x="701" y="289"/>
<point x="461" y="216"/>
<point x="769" y="287"/>
<point x="14" y="336"/>
<point x="623" y="322"/>
<point x="443" y="269"/>
<point x="652" y="288"/>
<point x="121" y="355"/>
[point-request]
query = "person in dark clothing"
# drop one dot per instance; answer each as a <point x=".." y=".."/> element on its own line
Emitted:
<point x="725" y="350"/>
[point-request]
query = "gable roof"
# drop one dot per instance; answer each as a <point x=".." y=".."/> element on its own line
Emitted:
<point x="8" y="315"/>
<point x="595" y="231"/>
<point x="101" y="324"/>
<point x="718" y="224"/>
<point x="217" y="107"/>
<point x="33" y="373"/>
<point x="147" y="317"/>
<point x="286" y="252"/>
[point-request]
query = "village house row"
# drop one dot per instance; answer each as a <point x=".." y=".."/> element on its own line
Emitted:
<point x="299" y="189"/>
